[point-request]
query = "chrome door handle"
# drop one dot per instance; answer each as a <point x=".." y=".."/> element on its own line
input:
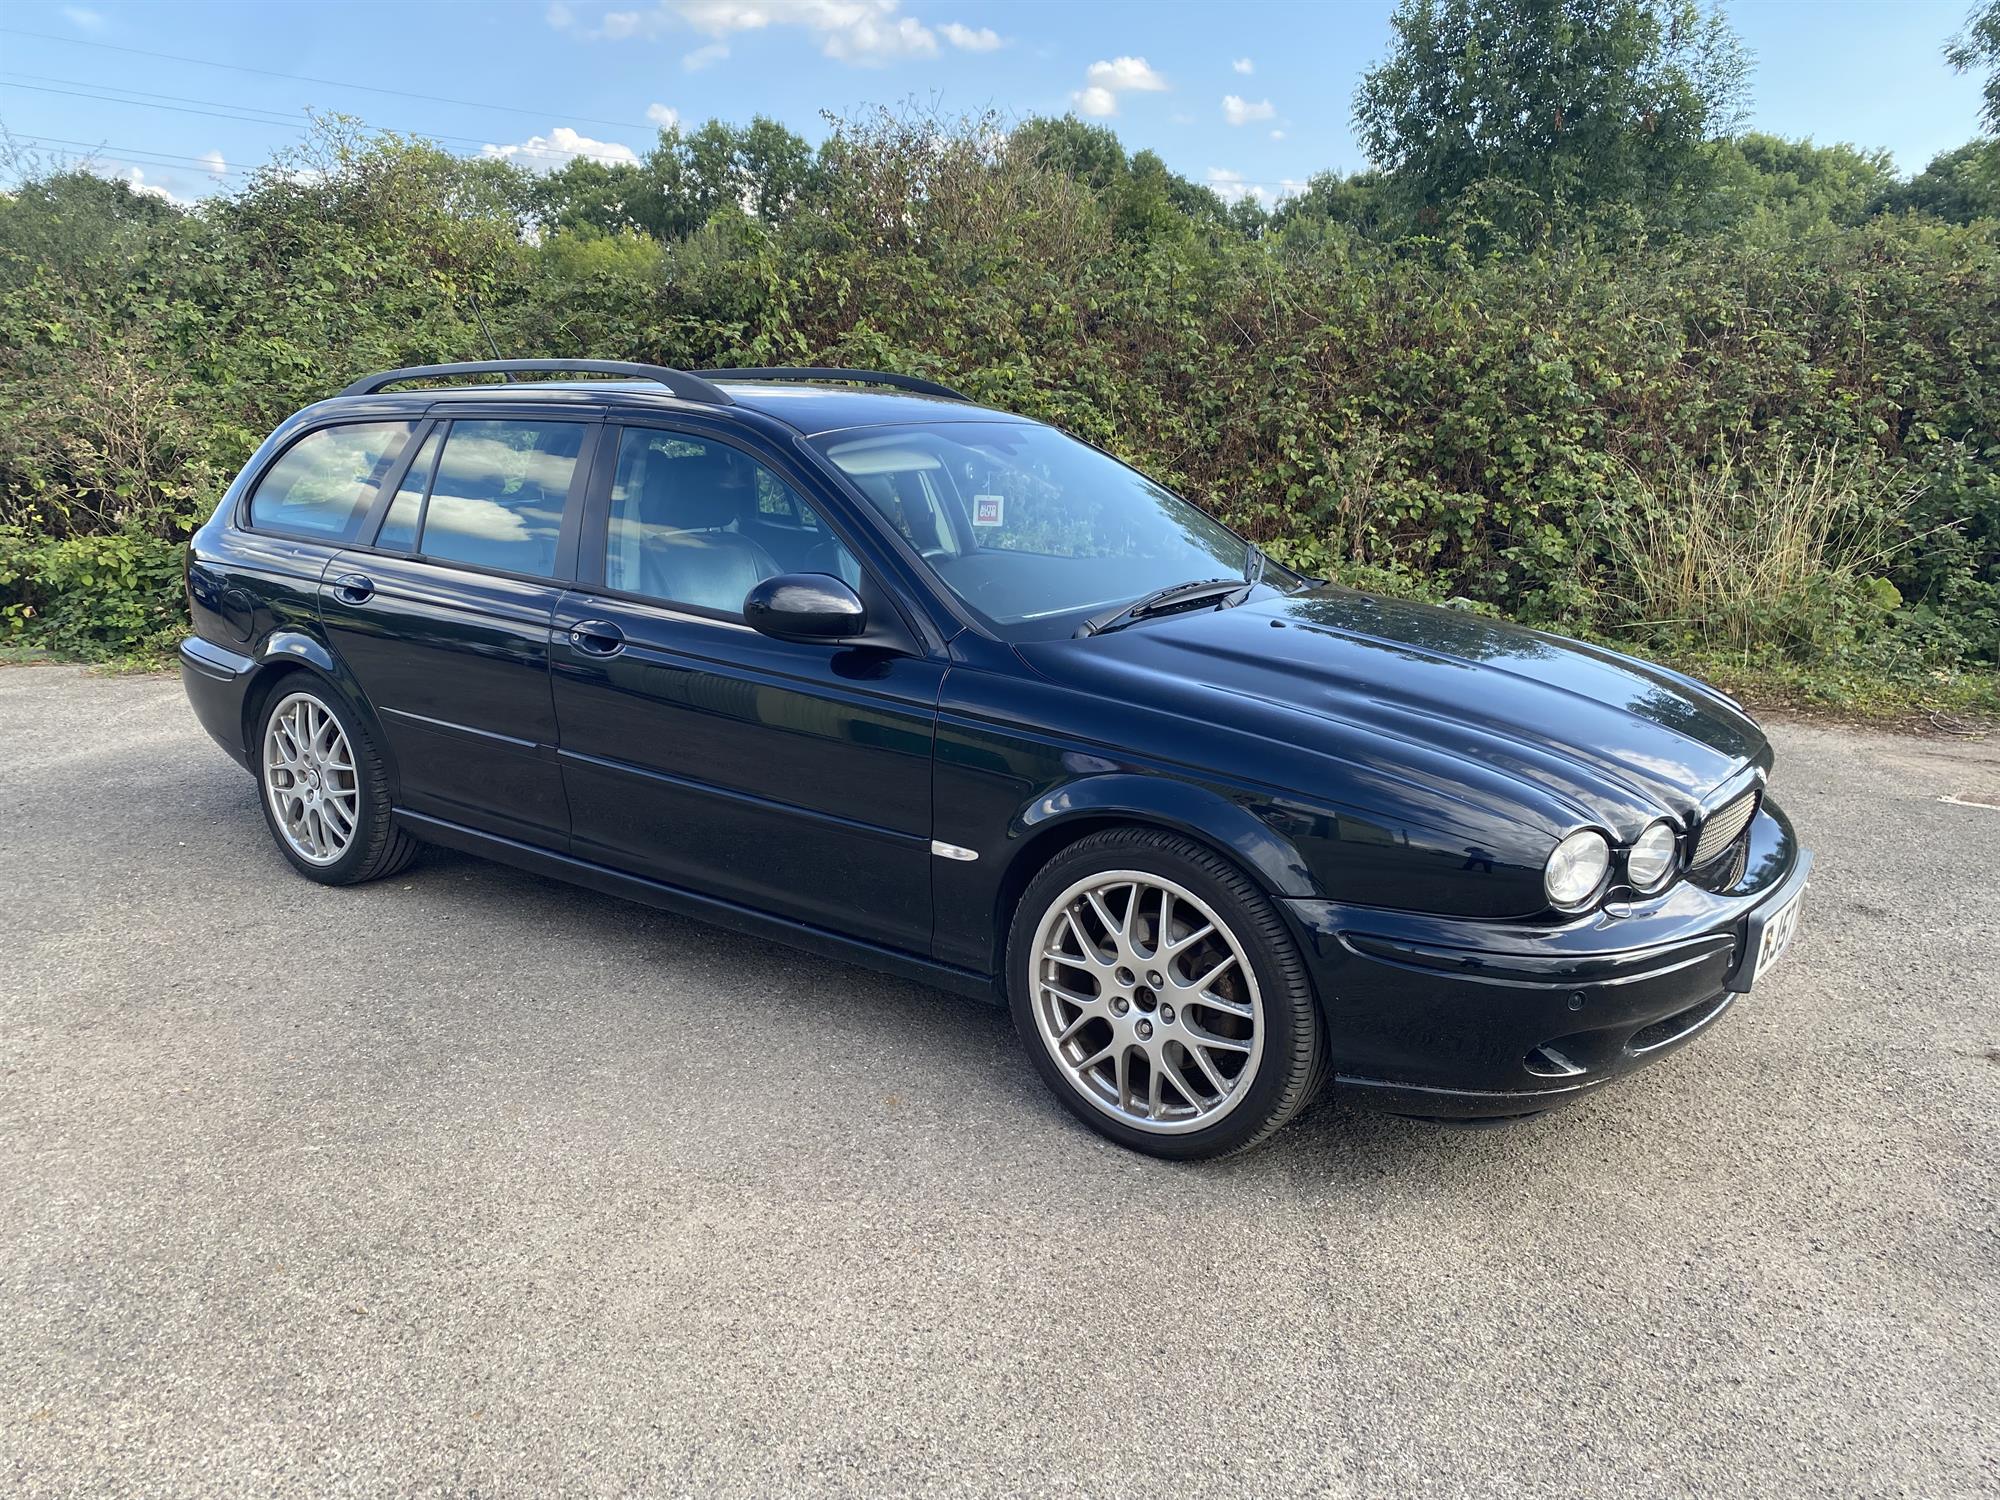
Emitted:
<point x="597" y="638"/>
<point x="354" y="588"/>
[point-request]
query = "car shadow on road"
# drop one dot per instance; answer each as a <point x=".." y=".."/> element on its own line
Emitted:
<point x="955" y="1045"/>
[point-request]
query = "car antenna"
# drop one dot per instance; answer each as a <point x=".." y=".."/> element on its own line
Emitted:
<point x="473" y="297"/>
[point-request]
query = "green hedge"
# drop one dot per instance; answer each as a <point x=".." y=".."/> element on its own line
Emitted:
<point x="1783" y="452"/>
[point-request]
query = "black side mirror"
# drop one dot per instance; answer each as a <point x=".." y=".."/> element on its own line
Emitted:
<point x="805" y="607"/>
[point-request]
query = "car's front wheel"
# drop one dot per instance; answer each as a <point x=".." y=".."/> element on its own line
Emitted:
<point x="326" y="790"/>
<point x="1161" y="995"/>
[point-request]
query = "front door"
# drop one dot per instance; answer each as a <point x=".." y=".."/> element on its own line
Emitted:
<point x="792" y="778"/>
<point x="445" y="622"/>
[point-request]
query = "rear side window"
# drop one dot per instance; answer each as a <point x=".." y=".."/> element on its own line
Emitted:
<point x="327" y="480"/>
<point x="499" y="495"/>
<point x="399" y="528"/>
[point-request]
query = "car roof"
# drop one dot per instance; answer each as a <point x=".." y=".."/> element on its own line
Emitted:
<point x="807" y="407"/>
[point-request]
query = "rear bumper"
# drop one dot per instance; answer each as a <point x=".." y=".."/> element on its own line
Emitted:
<point x="1459" y="1018"/>
<point x="215" y="680"/>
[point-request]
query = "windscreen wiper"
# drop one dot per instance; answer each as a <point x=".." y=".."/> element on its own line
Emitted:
<point x="1175" y="596"/>
<point x="1255" y="560"/>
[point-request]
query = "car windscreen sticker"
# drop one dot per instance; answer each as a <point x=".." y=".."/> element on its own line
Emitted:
<point x="988" y="510"/>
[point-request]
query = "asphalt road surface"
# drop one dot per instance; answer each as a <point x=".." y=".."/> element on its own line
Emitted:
<point x="471" y="1183"/>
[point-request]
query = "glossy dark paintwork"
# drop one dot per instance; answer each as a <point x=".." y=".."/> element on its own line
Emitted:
<point x="456" y="666"/>
<point x="791" y="777"/>
<point x="805" y="607"/>
<point x="1393" y="775"/>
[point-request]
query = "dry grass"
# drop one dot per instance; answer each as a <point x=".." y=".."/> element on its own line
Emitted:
<point x="1786" y="553"/>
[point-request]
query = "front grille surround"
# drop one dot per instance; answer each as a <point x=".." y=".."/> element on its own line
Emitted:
<point x="1721" y="828"/>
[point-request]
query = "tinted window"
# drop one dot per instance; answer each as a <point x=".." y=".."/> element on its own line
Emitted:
<point x="499" y="495"/>
<point x="399" y="527"/>
<point x="327" y="480"/>
<point x="698" y="522"/>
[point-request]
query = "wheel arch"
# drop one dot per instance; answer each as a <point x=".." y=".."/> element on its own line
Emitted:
<point x="293" y="653"/>
<point x="1060" y="818"/>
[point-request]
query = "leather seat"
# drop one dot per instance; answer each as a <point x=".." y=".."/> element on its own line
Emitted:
<point x="687" y="554"/>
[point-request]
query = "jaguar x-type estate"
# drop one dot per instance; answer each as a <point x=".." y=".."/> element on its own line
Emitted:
<point x="839" y="659"/>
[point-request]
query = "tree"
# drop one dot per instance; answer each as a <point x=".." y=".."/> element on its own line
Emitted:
<point x="1555" y="109"/>
<point x="1959" y="185"/>
<point x="1773" y="190"/>
<point x="1977" y="45"/>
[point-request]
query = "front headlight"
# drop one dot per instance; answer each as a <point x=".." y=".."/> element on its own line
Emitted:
<point x="1652" y="858"/>
<point x="1577" y="869"/>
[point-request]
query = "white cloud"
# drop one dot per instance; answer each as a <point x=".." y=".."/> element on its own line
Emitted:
<point x="877" y="35"/>
<point x="1244" y="65"/>
<point x="1277" y="135"/>
<point x="1242" y="111"/>
<point x="863" y="32"/>
<point x="81" y="19"/>
<point x="1105" y="81"/>
<point x="1123" y="74"/>
<point x="213" y="161"/>
<point x="966" y="39"/>
<point x="557" y="149"/>
<point x="136" y="181"/>
<point x="663" y="116"/>
<point x="1096" y="103"/>
<point x="1231" y="188"/>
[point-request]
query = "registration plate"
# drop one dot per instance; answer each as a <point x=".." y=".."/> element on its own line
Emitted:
<point x="1779" y="929"/>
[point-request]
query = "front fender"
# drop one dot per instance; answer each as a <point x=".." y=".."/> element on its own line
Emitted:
<point x="1183" y="806"/>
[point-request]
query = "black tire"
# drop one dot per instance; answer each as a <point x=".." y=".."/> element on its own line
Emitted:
<point x="1293" y="1060"/>
<point x="376" y="847"/>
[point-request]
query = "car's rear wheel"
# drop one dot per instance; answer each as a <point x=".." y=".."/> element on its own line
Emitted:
<point x="325" y="789"/>
<point x="1162" y="997"/>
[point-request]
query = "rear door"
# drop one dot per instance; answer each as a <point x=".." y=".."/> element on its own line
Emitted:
<point x="791" y="777"/>
<point x="444" y="618"/>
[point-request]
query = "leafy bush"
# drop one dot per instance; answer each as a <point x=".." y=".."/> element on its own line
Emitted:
<point x="1561" y="434"/>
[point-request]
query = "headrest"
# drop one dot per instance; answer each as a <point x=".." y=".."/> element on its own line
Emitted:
<point x="703" y="490"/>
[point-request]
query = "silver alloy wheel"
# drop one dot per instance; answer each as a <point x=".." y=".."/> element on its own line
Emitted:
<point x="309" y="779"/>
<point x="1147" y="1001"/>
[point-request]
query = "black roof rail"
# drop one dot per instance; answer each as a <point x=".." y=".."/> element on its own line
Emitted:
<point x="827" y="372"/>
<point x="679" y="382"/>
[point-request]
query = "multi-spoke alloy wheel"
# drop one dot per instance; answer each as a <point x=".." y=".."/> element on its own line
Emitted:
<point x="1147" y="1001"/>
<point x="1162" y="994"/>
<point x="326" y="789"/>
<point x="310" y="779"/>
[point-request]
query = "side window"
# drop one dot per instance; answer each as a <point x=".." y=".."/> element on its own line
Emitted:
<point x="499" y="495"/>
<point x="399" y="527"/>
<point x="326" y="481"/>
<point x="697" y="522"/>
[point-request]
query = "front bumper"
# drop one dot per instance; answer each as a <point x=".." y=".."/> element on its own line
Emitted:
<point x="1454" y="1017"/>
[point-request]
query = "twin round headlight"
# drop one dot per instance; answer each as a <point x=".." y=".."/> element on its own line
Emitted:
<point x="1652" y="858"/>
<point x="1576" y="870"/>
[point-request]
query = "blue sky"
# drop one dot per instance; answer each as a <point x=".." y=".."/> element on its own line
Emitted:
<point x="1252" y="97"/>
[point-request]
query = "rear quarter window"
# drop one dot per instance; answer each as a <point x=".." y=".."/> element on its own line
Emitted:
<point x="326" y="481"/>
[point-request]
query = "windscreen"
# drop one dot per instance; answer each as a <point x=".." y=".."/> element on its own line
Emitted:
<point x="1030" y="528"/>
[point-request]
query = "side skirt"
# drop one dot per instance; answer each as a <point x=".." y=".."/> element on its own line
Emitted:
<point x="738" y="918"/>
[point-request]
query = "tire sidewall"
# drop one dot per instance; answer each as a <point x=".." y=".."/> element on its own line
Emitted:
<point x="368" y="806"/>
<point x="1288" y="1003"/>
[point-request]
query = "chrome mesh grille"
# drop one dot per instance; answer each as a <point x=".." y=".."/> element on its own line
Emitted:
<point x="1720" y="828"/>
